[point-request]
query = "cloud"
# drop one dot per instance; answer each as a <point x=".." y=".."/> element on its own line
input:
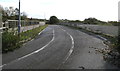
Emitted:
<point x="119" y="11"/>
<point x="68" y="9"/>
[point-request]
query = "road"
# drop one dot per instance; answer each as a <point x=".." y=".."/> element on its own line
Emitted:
<point x="110" y="30"/>
<point x="58" y="47"/>
<point x="105" y="29"/>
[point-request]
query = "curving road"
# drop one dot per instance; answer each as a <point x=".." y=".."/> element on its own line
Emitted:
<point x="58" y="47"/>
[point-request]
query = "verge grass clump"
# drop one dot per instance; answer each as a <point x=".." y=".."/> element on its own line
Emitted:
<point x="10" y="41"/>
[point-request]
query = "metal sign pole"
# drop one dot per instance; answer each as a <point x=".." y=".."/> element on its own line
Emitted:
<point x="19" y="23"/>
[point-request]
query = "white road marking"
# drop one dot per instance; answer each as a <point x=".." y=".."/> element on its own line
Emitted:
<point x="34" y="39"/>
<point x="72" y="47"/>
<point x="71" y="50"/>
<point x="41" y="32"/>
<point x="32" y="52"/>
<point x="39" y="49"/>
<point x="2" y="65"/>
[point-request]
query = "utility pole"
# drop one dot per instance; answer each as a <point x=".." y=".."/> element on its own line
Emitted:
<point x="44" y="18"/>
<point x="19" y="23"/>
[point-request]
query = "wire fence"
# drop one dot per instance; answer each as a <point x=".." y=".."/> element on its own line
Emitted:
<point x="12" y="25"/>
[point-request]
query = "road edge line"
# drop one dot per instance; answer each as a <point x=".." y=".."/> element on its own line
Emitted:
<point x="32" y="52"/>
<point x="41" y="31"/>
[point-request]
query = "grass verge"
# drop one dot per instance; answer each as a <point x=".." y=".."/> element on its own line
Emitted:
<point x="10" y="42"/>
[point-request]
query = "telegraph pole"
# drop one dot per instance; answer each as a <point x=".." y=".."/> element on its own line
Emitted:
<point x="44" y="17"/>
<point x="19" y="23"/>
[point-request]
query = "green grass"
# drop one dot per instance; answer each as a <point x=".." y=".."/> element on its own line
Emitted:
<point x="10" y="42"/>
<point x="30" y="34"/>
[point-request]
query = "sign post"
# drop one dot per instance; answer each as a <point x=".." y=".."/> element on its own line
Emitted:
<point x="19" y="23"/>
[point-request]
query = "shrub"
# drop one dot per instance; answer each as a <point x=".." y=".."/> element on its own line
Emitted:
<point x="53" y="20"/>
<point x="9" y="41"/>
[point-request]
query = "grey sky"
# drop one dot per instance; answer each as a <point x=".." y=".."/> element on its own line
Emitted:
<point x="105" y="10"/>
<point x="119" y="11"/>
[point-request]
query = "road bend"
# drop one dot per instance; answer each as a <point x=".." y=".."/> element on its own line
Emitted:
<point x="58" y="47"/>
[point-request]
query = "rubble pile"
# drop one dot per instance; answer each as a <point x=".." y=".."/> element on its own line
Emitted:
<point x="110" y="54"/>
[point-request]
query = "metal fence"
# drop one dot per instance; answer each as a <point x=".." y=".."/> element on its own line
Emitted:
<point x="12" y="25"/>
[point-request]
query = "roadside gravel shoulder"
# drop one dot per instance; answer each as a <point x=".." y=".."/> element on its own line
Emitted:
<point x="86" y="52"/>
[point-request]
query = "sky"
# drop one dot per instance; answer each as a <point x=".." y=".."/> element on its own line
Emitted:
<point x="119" y="11"/>
<point x="104" y="10"/>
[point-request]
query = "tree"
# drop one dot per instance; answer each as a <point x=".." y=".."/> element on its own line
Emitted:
<point x="4" y="14"/>
<point x="10" y="11"/>
<point x="12" y="14"/>
<point x="53" y="20"/>
<point x="115" y="23"/>
<point x="75" y="21"/>
<point x="93" y="21"/>
<point x="23" y="16"/>
<point x="90" y="21"/>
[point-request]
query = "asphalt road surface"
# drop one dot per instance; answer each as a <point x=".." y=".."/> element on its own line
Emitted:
<point x="58" y="47"/>
<point x="110" y="30"/>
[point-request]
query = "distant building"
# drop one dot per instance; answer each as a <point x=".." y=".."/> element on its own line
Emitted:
<point x="42" y="23"/>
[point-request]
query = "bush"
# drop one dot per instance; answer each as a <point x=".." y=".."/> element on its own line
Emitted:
<point x="118" y="47"/>
<point x="9" y="41"/>
<point x="53" y="20"/>
<point x="93" y="21"/>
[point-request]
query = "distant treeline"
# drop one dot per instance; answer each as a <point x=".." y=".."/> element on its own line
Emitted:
<point x="54" y="20"/>
<point x="92" y="21"/>
<point x="12" y="14"/>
